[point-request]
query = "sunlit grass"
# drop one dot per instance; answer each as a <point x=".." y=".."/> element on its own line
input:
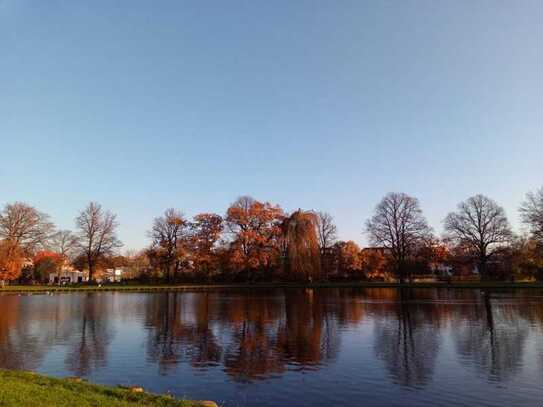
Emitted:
<point x="30" y="389"/>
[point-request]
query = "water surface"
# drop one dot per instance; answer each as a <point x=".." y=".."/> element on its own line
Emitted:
<point x="289" y="347"/>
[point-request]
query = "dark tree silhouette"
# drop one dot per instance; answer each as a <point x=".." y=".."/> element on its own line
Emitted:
<point x="481" y="226"/>
<point x="398" y="225"/>
<point x="326" y="231"/>
<point x="531" y="213"/>
<point x="170" y="232"/>
<point x="97" y="234"/>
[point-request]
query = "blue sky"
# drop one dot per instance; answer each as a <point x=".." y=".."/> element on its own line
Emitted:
<point x="309" y="104"/>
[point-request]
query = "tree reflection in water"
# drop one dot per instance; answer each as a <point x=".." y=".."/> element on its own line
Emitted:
<point x="92" y="334"/>
<point x="20" y="347"/>
<point x="407" y="341"/>
<point x="178" y="328"/>
<point x="252" y="335"/>
<point x="263" y="334"/>
<point x="308" y="335"/>
<point x="29" y="327"/>
<point x="496" y="346"/>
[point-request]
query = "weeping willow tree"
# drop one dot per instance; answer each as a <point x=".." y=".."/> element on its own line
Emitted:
<point x="302" y="245"/>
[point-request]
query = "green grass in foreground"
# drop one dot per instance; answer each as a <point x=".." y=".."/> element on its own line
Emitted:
<point x="30" y="389"/>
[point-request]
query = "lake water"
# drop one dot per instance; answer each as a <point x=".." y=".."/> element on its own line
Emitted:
<point x="290" y="347"/>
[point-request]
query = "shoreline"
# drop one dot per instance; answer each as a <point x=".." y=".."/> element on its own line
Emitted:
<point x="30" y="388"/>
<point x="219" y="286"/>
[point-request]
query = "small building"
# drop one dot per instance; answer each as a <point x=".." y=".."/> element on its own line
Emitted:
<point x="113" y="275"/>
<point x="380" y="251"/>
<point x="68" y="276"/>
<point x="441" y="269"/>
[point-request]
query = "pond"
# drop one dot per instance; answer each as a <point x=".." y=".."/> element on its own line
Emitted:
<point x="289" y="347"/>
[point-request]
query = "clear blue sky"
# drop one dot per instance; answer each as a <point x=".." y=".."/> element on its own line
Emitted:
<point x="145" y="105"/>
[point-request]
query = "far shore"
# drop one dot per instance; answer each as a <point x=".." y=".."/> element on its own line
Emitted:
<point x="218" y="286"/>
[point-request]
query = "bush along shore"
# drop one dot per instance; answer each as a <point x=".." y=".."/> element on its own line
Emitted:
<point x="28" y="388"/>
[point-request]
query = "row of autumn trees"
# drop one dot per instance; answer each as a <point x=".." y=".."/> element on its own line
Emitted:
<point x="253" y="241"/>
<point x="30" y="242"/>
<point x="258" y="241"/>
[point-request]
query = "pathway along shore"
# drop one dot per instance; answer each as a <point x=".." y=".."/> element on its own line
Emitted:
<point x="195" y="287"/>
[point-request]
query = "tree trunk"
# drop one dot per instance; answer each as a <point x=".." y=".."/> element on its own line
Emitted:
<point x="489" y="319"/>
<point x="91" y="269"/>
<point x="401" y="270"/>
<point x="482" y="268"/>
<point x="175" y="271"/>
<point x="169" y="273"/>
<point x="401" y="276"/>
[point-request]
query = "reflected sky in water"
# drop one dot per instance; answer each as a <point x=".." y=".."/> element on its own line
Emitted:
<point x="379" y="347"/>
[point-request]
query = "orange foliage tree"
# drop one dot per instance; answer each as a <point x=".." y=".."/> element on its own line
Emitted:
<point x="435" y="254"/>
<point x="11" y="260"/>
<point x="256" y="232"/>
<point x="348" y="259"/>
<point x="375" y="264"/>
<point x="45" y="263"/>
<point x="302" y="245"/>
<point x="206" y="230"/>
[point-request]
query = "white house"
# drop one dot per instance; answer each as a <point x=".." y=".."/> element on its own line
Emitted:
<point x="114" y="275"/>
<point x="68" y="276"/>
<point x="442" y="269"/>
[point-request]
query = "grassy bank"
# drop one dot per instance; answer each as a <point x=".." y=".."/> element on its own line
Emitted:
<point x="27" y="388"/>
<point x="193" y="287"/>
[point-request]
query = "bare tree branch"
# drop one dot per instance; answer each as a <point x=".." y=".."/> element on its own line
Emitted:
<point x="480" y="225"/>
<point x="398" y="225"/>
<point x="66" y="243"/>
<point x="25" y="226"/>
<point x="97" y="234"/>
<point x="326" y="230"/>
<point x="169" y="233"/>
<point x="531" y="213"/>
